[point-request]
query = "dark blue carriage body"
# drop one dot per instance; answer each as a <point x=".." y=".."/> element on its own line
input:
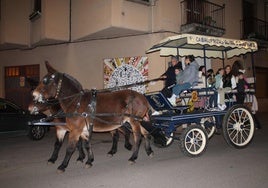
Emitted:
<point x="172" y="117"/>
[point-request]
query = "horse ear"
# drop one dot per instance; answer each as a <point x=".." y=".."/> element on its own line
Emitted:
<point x="50" y="69"/>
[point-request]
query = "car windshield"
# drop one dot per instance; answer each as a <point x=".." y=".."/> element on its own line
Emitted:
<point x="7" y="108"/>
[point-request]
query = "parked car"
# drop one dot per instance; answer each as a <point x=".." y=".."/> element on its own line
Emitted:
<point x="14" y="119"/>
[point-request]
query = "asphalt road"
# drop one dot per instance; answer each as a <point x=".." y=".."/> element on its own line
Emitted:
<point x="23" y="163"/>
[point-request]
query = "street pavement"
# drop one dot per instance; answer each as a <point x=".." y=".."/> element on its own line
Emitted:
<point x="23" y="163"/>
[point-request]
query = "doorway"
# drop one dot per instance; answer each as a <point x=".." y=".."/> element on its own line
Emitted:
<point x="19" y="82"/>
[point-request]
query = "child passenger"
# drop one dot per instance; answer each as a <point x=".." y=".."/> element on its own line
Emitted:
<point x="178" y="73"/>
<point x="219" y="91"/>
<point x="241" y="84"/>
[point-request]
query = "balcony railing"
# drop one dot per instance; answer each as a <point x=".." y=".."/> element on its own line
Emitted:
<point x="204" y="14"/>
<point x="254" y="28"/>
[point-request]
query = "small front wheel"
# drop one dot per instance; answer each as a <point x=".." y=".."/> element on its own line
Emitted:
<point x="193" y="141"/>
<point x="238" y="126"/>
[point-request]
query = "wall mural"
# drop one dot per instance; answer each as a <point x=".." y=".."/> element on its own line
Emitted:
<point x="124" y="71"/>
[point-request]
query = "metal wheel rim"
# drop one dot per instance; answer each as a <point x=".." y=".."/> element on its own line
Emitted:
<point x="169" y="139"/>
<point x="240" y="127"/>
<point x="195" y="141"/>
<point x="37" y="132"/>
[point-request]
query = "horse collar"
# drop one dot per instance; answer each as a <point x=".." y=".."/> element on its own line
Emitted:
<point x="59" y="87"/>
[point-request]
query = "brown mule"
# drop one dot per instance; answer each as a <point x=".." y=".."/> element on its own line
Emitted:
<point x="88" y="111"/>
<point x="61" y="130"/>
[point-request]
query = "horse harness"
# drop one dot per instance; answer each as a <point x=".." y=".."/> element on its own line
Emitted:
<point x="91" y="109"/>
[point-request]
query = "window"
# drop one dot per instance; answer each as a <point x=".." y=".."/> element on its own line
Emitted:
<point x="145" y="2"/>
<point x="12" y="71"/>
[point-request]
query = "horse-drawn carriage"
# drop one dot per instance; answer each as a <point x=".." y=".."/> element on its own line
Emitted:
<point x="85" y="111"/>
<point x="236" y="121"/>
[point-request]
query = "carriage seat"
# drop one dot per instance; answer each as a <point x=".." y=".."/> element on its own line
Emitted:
<point x="160" y="103"/>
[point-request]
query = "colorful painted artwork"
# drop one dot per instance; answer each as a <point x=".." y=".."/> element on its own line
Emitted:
<point x="125" y="71"/>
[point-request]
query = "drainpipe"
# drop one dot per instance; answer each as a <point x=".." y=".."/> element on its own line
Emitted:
<point x="153" y="4"/>
<point x="70" y="20"/>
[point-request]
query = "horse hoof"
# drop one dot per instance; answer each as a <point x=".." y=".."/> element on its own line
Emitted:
<point x="128" y="147"/>
<point x="59" y="171"/>
<point x="87" y="166"/>
<point x="131" y="162"/>
<point x="50" y="163"/>
<point x="79" y="162"/>
<point x="109" y="155"/>
<point x="151" y="155"/>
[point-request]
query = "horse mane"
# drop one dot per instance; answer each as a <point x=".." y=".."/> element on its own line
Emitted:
<point x="75" y="82"/>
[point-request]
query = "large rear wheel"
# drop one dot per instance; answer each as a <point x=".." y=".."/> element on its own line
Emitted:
<point x="238" y="126"/>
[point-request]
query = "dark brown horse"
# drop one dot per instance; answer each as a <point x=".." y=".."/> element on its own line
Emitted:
<point x="88" y="111"/>
<point x="55" y="111"/>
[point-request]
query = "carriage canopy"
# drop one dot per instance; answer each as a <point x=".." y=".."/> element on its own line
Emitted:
<point x="203" y="46"/>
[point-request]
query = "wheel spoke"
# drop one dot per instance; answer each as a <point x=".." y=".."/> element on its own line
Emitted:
<point x="188" y="142"/>
<point x="242" y="138"/>
<point x="234" y="137"/>
<point x="199" y="139"/>
<point x="191" y="145"/>
<point x="199" y="145"/>
<point x="231" y="130"/>
<point x="197" y="135"/>
<point x="230" y="125"/>
<point x="188" y="138"/>
<point x="245" y="119"/>
<point x="233" y="118"/>
<point x="247" y="129"/>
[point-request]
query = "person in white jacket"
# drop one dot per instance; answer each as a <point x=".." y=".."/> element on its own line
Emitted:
<point x="228" y="83"/>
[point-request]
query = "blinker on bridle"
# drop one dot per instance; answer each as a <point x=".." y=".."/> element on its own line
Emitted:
<point x="52" y="78"/>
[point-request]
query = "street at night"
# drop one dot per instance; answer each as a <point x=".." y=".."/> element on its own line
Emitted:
<point x="23" y="163"/>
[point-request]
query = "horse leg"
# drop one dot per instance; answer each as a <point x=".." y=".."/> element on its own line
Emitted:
<point x="72" y="143"/>
<point x="137" y="141"/>
<point x="60" y="134"/>
<point x="115" y="137"/>
<point x="81" y="156"/>
<point x="147" y="137"/>
<point x="126" y="132"/>
<point x="90" y="154"/>
<point x="88" y="145"/>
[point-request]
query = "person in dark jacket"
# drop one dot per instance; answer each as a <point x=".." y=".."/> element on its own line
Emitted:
<point x="170" y="76"/>
<point x="241" y="84"/>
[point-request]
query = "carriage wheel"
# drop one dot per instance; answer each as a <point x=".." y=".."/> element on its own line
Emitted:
<point x="193" y="141"/>
<point x="168" y="142"/>
<point x="209" y="124"/>
<point x="238" y="126"/>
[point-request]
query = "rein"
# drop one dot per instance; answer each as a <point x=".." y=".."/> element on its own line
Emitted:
<point x="92" y="108"/>
<point x="116" y="88"/>
<point x="92" y="105"/>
